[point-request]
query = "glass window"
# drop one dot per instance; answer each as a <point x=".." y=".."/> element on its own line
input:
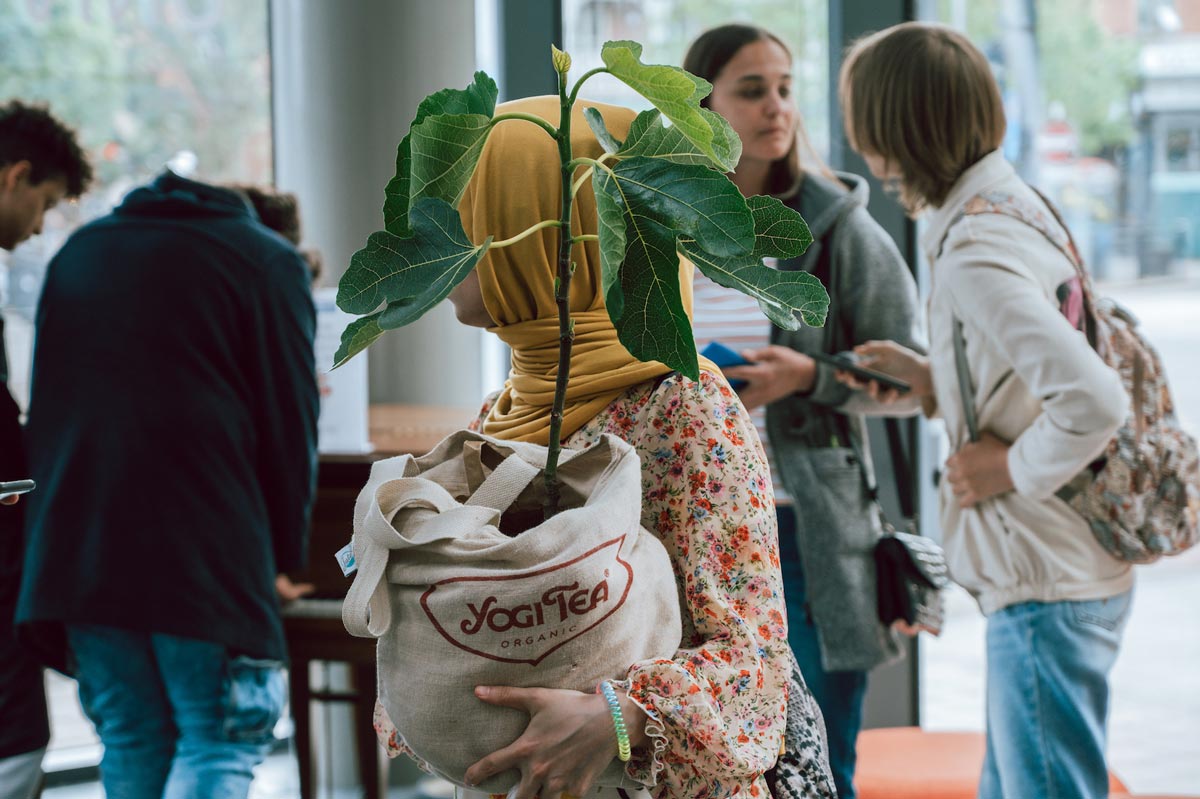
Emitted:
<point x="665" y="28"/>
<point x="1103" y="101"/>
<point x="147" y="83"/>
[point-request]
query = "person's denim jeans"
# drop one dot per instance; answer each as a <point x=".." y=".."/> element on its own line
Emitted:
<point x="839" y="694"/>
<point x="1047" y="698"/>
<point x="179" y="718"/>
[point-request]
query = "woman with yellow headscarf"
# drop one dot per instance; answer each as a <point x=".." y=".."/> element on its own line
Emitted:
<point x="710" y="721"/>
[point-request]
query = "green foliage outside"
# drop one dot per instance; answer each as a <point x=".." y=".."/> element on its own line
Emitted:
<point x="1083" y="66"/>
<point x="143" y="80"/>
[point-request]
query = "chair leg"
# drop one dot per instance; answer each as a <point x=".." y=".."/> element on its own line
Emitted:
<point x="298" y="689"/>
<point x="372" y="763"/>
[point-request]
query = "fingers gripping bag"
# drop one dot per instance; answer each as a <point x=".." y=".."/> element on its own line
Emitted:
<point x="455" y="603"/>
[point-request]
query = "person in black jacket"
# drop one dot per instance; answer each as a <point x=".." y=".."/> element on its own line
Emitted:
<point x="172" y="432"/>
<point x="41" y="164"/>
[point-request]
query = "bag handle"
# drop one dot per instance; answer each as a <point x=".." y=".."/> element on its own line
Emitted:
<point x="367" y="610"/>
<point x="505" y="483"/>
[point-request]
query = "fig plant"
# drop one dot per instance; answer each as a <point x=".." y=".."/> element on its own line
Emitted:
<point x="661" y="193"/>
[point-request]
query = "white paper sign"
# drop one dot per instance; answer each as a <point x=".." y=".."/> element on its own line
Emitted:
<point x="343" y="425"/>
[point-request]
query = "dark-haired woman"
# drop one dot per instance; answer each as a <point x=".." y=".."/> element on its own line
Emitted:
<point x="813" y="425"/>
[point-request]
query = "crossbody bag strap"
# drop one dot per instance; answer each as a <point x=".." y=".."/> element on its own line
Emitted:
<point x="900" y="467"/>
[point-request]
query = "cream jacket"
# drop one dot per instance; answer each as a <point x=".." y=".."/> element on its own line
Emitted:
<point x="1038" y="384"/>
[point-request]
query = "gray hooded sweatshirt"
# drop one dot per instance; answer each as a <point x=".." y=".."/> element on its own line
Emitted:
<point x="817" y="436"/>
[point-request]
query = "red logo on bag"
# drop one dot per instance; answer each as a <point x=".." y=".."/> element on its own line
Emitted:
<point x="522" y="618"/>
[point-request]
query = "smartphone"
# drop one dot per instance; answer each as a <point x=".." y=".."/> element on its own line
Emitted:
<point x="724" y="357"/>
<point x="847" y="363"/>
<point x="16" y="487"/>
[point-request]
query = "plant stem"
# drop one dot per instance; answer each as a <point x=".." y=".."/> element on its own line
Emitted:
<point x="566" y="330"/>
<point x="579" y="83"/>
<point x="588" y="173"/>
<point x="529" y="231"/>
<point x="541" y="123"/>
<point x="592" y="162"/>
<point x="585" y="237"/>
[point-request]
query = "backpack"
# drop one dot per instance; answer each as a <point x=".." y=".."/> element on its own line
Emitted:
<point x="1141" y="497"/>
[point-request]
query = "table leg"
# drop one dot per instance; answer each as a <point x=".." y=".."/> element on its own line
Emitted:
<point x="372" y="762"/>
<point x="302" y="727"/>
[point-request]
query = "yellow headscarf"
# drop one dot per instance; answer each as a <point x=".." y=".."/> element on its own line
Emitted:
<point x="517" y="184"/>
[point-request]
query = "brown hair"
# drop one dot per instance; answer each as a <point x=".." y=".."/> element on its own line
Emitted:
<point x="278" y="210"/>
<point x="922" y="97"/>
<point x="709" y="54"/>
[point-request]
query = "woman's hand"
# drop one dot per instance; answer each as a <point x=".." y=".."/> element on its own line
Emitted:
<point x="913" y="630"/>
<point x="774" y="373"/>
<point x="979" y="471"/>
<point x="891" y="359"/>
<point x="569" y="741"/>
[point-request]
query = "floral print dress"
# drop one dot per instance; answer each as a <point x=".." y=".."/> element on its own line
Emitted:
<point x="717" y="709"/>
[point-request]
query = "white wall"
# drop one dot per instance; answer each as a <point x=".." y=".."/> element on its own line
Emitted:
<point x="347" y="78"/>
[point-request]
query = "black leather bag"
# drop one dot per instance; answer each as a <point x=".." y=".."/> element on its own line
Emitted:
<point x="910" y="569"/>
<point x="910" y="572"/>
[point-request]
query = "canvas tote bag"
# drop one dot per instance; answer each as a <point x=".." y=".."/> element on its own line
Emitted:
<point x="455" y="603"/>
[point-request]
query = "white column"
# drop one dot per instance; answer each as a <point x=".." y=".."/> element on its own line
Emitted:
<point x="347" y="78"/>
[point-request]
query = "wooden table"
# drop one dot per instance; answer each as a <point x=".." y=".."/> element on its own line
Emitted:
<point x="313" y="627"/>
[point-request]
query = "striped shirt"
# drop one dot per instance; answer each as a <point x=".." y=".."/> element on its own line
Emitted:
<point x="734" y="319"/>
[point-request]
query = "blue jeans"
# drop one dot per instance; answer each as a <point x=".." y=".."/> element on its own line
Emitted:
<point x="179" y="718"/>
<point x="839" y="694"/>
<point x="1047" y="698"/>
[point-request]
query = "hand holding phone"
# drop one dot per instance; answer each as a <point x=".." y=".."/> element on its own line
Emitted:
<point x="847" y="362"/>
<point x="16" y="487"/>
<point x="725" y="357"/>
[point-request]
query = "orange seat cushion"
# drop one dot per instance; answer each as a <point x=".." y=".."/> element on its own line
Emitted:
<point x="911" y="763"/>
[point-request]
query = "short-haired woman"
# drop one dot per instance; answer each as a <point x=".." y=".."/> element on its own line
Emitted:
<point x="922" y="107"/>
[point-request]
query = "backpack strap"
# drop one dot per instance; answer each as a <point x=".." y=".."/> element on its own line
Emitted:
<point x="1011" y="206"/>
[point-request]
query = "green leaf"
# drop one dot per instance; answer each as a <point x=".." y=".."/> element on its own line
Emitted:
<point x="782" y="233"/>
<point x="649" y="137"/>
<point x="650" y="318"/>
<point x="611" y="228"/>
<point x="357" y="336"/>
<point x="410" y="274"/>
<point x="395" y="196"/>
<point x="478" y="98"/>
<point x="674" y="92"/>
<point x="696" y="201"/>
<point x="445" y="149"/>
<point x="596" y="123"/>
<point x="779" y="231"/>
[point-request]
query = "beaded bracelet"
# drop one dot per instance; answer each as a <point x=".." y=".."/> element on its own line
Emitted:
<point x="614" y="707"/>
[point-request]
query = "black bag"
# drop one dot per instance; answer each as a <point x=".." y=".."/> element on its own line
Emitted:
<point x="910" y="570"/>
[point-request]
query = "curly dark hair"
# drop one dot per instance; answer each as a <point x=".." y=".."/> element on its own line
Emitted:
<point x="29" y="132"/>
